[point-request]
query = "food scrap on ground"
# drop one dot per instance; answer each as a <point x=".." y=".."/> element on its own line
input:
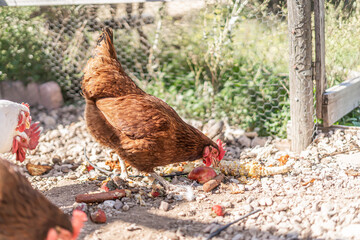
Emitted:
<point x="213" y="183"/>
<point x="100" y="197"/>
<point x="308" y="182"/>
<point x="37" y="170"/>
<point x="105" y="187"/>
<point x="89" y="168"/>
<point x="98" y="216"/>
<point x="283" y="160"/>
<point x="218" y="210"/>
<point x="202" y="174"/>
<point x="352" y="172"/>
<point x="307" y="209"/>
<point x="251" y="169"/>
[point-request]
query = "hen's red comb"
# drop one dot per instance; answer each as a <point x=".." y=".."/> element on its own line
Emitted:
<point x="26" y="105"/>
<point x="34" y="134"/>
<point x="221" y="149"/>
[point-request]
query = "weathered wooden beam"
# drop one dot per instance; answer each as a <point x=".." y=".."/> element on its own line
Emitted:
<point x="68" y="2"/>
<point x="300" y="74"/>
<point x="320" y="77"/>
<point x="340" y="100"/>
<point x="334" y="128"/>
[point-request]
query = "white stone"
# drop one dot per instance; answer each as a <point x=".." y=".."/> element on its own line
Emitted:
<point x="244" y="141"/>
<point x="109" y="203"/>
<point x="259" y="141"/>
<point x="118" y="204"/>
<point x="164" y="206"/>
<point x="350" y="231"/>
<point x="126" y="207"/>
<point x="238" y="236"/>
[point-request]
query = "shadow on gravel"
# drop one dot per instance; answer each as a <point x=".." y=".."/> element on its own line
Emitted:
<point x="64" y="195"/>
<point x="144" y="222"/>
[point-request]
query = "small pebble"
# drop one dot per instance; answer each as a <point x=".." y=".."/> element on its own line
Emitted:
<point x="164" y="206"/>
<point x="109" y="203"/>
<point x="133" y="227"/>
<point x="118" y="204"/>
<point x="238" y="236"/>
<point x="125" y="207"/>
<point x="181" y="214"/>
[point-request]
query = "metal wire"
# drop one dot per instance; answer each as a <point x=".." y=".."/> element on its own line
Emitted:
<point x="207" y="59"/>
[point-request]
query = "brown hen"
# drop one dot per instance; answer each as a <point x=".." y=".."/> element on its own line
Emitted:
<point x="27" y="214"/>
<point x="142" y="129"/>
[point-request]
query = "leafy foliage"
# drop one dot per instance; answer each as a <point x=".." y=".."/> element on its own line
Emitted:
<point x="21" y="53"/>
<point x="224" y="61"/>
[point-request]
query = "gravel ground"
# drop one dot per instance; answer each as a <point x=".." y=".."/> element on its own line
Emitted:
<point x="318" y="199"/>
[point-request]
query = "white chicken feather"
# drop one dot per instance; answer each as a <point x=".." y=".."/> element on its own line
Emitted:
<point x="9" y="118"/>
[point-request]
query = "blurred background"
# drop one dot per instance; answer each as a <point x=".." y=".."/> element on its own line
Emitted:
<point x="220" y="59"/>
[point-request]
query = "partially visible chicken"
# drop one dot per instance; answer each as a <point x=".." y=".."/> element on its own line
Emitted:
<point x="142" y="129"/>
<point x="27" y="214"/>
<point x="17" y="134"/>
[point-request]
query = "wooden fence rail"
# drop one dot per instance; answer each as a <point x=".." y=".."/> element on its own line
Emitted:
<point x="68" y="2"/>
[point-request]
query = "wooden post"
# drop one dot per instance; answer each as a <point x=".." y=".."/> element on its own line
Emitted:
<point x="300" y="74"/>
<point x="320" y="78"/>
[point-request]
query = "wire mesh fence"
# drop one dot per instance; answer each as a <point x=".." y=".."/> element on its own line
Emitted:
<point x="207" y="59"/>
<point x="342" y="26"/>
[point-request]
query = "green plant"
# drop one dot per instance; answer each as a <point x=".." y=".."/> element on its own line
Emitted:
<point x="21" y="46"/>
<point x="342" y="41"/>
<point x="227" y="60"/>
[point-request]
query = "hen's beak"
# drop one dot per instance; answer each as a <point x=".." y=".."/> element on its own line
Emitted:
<point x="215" y="162"/>
<point x="27" y="123"/>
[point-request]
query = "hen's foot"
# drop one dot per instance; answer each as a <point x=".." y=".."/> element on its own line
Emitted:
<point x="168" y="186"/>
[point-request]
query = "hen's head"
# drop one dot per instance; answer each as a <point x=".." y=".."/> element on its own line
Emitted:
<point x="213" y="155"/>
<point x="77" y="222"/>
<point x="28" y="139"/>
<point x="24" y="118"/>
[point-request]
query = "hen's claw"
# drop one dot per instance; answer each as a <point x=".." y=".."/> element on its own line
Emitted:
<point x="168" y="186"/>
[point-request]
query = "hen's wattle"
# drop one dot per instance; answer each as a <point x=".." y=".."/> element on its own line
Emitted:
<point x="16" y="129"/>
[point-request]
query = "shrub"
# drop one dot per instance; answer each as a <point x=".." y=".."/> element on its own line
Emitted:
<point x="22" y="55"/>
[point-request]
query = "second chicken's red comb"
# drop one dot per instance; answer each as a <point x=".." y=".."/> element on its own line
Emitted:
<point x="26" y="105"/>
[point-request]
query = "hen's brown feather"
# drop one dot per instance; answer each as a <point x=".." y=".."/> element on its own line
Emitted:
<point x="103" y="74"/>
<point x="24" y="212"/>
<point x="142" y="129"/>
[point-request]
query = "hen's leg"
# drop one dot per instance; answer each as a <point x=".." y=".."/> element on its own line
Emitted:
<point x="124" y="174"/>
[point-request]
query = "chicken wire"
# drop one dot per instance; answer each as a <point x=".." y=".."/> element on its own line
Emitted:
<point x="342" y="47"/>
<point x="207" y="59"/>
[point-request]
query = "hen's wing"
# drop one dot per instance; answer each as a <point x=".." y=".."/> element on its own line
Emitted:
<point x="137" y="116"/>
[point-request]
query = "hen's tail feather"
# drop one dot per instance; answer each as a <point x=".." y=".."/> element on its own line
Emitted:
<point x="104" y="45"/>
<point x="107" y="34"/>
